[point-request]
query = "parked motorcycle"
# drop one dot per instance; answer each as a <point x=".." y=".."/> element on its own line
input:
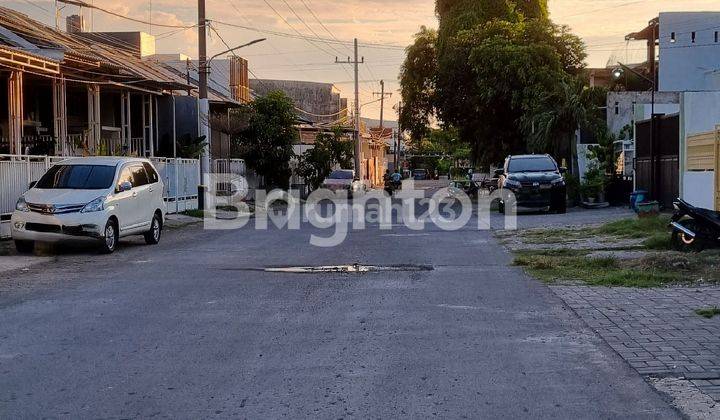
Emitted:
<point x="694" y="228"/>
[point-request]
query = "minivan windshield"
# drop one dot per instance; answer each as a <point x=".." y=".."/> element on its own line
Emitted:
<point x="341" y="175"/>
<point x="78" y="177"/>
<point x="532" y="164"/>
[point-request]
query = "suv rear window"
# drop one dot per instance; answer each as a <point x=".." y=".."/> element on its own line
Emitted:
<point x="532" y="164"/>
<point x="78" y="177"/>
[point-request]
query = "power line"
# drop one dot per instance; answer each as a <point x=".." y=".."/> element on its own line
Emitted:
<point x="256" y="77"/>
<point x="628" y="3"/>
<point x="309" y="27"/>
<point x="306" y="37"/>
<point x="319" y="21"/>
<point x="110" y="12"/>
<point x="303" y="36"/>
<point x="34" y="4"/>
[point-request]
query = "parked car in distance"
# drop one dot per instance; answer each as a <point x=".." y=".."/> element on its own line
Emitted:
<point x="536" y="182"/>
<point x="95" y="198"/>
<point x="344" y="180"/>
<point x="420" y="174"/>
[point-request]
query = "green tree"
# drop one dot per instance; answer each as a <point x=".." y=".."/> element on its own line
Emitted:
<point x="266" y="143"/>
<point x="190" y="147"/>
<point x="417" y="82"/>
<point x="502" y="66"/>
<point x="331" y="150"/>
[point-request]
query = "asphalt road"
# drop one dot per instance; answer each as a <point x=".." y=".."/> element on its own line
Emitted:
<point x="194" y="328"/>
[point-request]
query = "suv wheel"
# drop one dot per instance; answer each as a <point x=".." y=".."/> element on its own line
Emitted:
<point x="110" y="238"/>
<point x="25" y="247"/>
<point x="152" y="237"/>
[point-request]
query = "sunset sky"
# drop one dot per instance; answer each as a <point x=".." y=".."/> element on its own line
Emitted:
<point x="601" y="23"/>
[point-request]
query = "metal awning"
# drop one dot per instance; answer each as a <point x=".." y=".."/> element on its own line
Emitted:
<point x="26" y="61"/>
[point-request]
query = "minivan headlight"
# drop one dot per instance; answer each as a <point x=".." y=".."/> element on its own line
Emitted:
<point x="558" y="182"/>
<point x="21" y="205"/>
<point x="97" y="204"/>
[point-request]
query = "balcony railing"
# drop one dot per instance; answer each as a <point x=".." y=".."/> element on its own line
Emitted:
<point x="30" y="145"/>
<point x="74" y="145"/>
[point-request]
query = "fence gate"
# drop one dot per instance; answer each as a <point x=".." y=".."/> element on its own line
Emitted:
<point x="657" y="164"/>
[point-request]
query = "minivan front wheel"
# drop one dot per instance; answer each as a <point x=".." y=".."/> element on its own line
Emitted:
<point x="152" y="237"/>
<point x="110" y="238"/>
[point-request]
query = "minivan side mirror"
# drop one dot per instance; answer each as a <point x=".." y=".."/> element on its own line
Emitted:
<point x="563" y="170"/>
<point x="499" y="172"/>
<point x="31" y="185"/>
<point x="124" y="186"/>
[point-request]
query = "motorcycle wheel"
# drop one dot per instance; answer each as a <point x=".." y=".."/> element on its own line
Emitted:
<point x="686" y="243"/>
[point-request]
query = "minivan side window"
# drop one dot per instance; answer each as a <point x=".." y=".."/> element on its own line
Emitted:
<point x="152" y="175"/>
<point x="125" y="176"/>
<point x="140" y="178"/>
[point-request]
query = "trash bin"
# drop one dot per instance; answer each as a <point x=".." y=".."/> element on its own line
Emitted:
<point x="637" y="197"/>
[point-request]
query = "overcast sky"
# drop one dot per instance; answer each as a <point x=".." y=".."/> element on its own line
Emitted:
<point x="601" y="23"/>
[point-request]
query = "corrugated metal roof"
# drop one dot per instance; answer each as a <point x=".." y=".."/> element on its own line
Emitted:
<point x="79" y="53"/>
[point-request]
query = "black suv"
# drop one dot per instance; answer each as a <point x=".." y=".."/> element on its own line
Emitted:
<point x="535" y="180"/>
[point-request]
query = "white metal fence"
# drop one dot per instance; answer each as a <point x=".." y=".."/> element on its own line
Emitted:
<point x="16" y="173"/>
<point x="181" y="178"/>
<point x="229" y="166"/>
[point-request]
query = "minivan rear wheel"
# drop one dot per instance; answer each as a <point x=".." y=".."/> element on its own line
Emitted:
<point x="25" y="247"/>
<point x="152" y="237"/>
<point x="110" y="238"/>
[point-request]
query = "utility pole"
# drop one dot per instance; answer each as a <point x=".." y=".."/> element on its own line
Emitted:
<point x="399" y="136"/>
<point x="358" y="149"/>
<point x="203" y="104"/>
<point x="382" y="95"/>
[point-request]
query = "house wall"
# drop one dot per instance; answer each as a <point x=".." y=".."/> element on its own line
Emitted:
<point x="686" y="65"/>
<point x="186" y="120"/>
<point x="143" y="43"/>
<point x="624" y="108"/>
<point x="700" y="113"/>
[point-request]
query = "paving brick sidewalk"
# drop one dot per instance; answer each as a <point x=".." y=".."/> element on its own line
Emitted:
<point x="656" y="330"/>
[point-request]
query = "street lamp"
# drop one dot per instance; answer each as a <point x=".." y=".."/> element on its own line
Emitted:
<point x="617" y="73"/>
<point x="234" y="49"/>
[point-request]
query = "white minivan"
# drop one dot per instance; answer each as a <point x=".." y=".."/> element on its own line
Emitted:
<point x="91" y="198"/>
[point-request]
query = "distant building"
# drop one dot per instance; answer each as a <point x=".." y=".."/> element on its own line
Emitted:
<point x="318" y="103"/>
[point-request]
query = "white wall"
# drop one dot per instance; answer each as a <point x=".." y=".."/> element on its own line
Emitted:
<point x="699" y="113"/>
<point x="684" y="65"/>
<point x="699" y="189"/>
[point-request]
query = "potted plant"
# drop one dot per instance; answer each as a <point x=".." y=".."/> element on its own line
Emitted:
<point x="592" y="189"/>
<point x="572" y="185"/>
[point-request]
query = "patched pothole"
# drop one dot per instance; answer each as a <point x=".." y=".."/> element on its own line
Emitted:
<point x="350" y="268"/>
